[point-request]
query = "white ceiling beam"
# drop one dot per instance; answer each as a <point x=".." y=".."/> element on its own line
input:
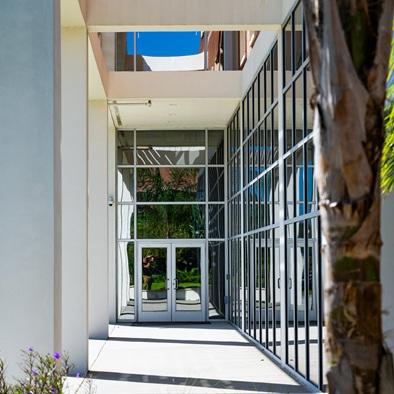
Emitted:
<point x="174" y="84"/>
<point x="183" y="15"/>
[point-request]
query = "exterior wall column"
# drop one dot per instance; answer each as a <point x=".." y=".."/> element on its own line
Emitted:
<point x="98" y="221"/>
<point x="30" y="198"/>
<point x="74" y="196"/>
<point x="112" y="249"/>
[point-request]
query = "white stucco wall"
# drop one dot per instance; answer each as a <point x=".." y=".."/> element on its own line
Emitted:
<point x="111" y="139"/>
<point x="387" y="273"/>
<point x="98" y="221"/>
<point x="30" y="178"/>
<point x="74" y="196"/>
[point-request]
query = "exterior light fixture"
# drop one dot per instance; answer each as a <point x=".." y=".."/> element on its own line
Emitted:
<point x="147" y="103"/>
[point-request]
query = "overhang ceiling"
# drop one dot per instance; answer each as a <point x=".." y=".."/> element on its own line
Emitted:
<point x="172" y="113"/>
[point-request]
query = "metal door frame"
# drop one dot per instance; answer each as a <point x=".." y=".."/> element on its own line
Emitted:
<point x="171" y="315"/>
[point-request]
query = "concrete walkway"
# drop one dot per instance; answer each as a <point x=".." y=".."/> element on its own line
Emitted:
<point x="187" y="358"/>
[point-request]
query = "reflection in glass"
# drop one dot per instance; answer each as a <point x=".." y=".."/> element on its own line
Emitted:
<point x="298" y="108"/>
<point x="270" y="286"/>
<point x="216" y="280"/>
<point x="216" y="184"/>
<point x="299" y="182"/>
<point x="126" y="288"/>
<point x="308" y="110"/>
<point x="170" y="184"/>
<point x="287" y="51"/>
<point x="170" y="221"/>
<point x="125" y="221"/>
<point x="154" y="279"/>
<point x="311" y="186"/>
<point x="215" y="147"/>
<point x="125" y="185"/>
<point x="301" y="295"/>
<point x="216" y="221"/>
<point x="170" y="147"/>
<point x="188" y="279"/>
<point x="298" y="36"/>
<point x="292" y="296"/>
<point x="277" y="300"/>
<point x="288" y="104"/>
<point x="289" y="207"/>
<point x="125" y="147"/>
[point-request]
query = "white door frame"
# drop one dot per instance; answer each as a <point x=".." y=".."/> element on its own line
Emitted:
<point x="171" y="314"/>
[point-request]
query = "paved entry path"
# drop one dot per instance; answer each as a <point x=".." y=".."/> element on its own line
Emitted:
<point x="186" y="358"/>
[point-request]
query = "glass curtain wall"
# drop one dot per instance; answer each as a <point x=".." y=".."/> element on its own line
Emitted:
<point x="276" y="276"/>
<point x="170" y="185"/>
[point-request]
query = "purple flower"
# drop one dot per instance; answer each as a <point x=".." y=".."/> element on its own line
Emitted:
<point x="34" y="372"/>
<point x="53" y="391"/>
<point x="56" y="356"/>
<point x="30" y="349"/>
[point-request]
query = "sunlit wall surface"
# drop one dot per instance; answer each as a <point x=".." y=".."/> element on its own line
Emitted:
<point x="276" y="277"/>
<point x="170" y="185"/>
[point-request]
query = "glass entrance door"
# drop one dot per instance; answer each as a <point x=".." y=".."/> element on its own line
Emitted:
<point x="171" y="281"/>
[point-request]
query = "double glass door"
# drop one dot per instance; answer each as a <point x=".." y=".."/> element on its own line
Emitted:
<point x="171" y="281"/>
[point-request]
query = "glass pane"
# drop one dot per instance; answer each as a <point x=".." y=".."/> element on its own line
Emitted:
<point x="275" y="134"/>
<point x="311" y="187"/>
<point x="268" y="82"/>
<point x="301" y="295"/>
<point x="298" y="36"/>
<point x="215" y="147"/>
<point x="188" y="279"/>
<point x="170" y="184"/>
<point x="170" y="221"/>
<point x="154" y="279"/>
<point x="308" y="90"/>
<point x="289" y="207"/>
<point x="313" y="299"/>
<point x="125" y="221"/>
<point x="250" y="110"/>
<point x="275" y="72"/>
<point x="170" y="147"/>
<point x="299" y="183"/>
<point x="216" y="221"/>
<point x="126" y="288"/>
<point x="216" y="184"/>
<point x="126" y="147"/>
<point x="291" y="295"/>
<point x="288" y="110"/>
<point x="262" y="102"/>
<point x="216" y="280"/>
<point x="276" y="285"/>
<point x="287" y="52"/>
<point x="268" y="141"/>
<point x="298" y="110"/>
<point x="256" y="112"/>
<point x="125" y="185"/>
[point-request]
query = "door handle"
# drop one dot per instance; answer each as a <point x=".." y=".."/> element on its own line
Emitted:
<point x="176" y="284"/>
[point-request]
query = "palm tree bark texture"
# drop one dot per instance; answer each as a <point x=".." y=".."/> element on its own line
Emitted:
<point x="349" y="47"/>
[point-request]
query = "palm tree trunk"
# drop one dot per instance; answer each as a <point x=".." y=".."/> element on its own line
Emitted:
<point x="349" y="46"/>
